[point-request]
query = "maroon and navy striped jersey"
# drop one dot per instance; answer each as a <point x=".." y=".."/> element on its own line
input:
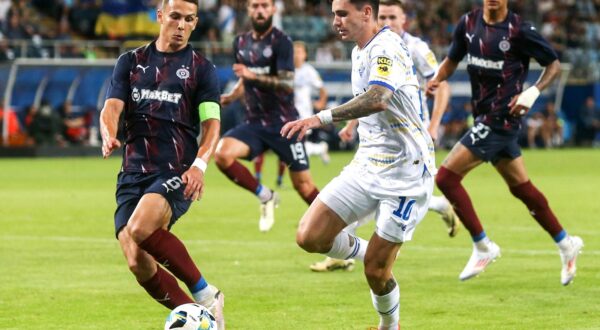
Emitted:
<point x="266" y="56"/>
<point x="497" y="62"/>
<point x="162" y="92"/>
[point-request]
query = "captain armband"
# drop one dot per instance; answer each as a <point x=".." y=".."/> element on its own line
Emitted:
<point x="209" y="110"/>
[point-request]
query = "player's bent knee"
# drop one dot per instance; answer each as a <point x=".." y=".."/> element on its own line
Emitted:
<point x="223" y="158"/>
<point x="446" y="179"/>
<point x="138" y="232"/>
<point x="311" y="243"/>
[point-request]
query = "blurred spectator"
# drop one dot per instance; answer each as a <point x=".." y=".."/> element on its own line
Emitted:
<point x="535" y="124"/>
<point x="75" y="126"/>
<point x="44" y="125"/>
<point x="589" y="113"/>
<point x="545" y="128"/>
<point x="6" y="54"/>
<point x="4" y="7"/>
<point x="454" y="125"/>
<point x="226" y="22"/>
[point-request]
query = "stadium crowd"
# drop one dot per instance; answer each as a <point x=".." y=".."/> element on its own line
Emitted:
<point x="53" y="28"/>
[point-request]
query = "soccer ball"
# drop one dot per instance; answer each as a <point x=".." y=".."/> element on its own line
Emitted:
<point x="191" y="317"/>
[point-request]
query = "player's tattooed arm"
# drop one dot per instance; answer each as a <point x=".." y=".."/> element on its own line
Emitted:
<point x="550" y="72"/>
<point x="374" y="100"/>
<point x="284" y="81"/>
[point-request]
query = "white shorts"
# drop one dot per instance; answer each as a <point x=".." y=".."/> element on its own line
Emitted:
<point x="398" y="205"/>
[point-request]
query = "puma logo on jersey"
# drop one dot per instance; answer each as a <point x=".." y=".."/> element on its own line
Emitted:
<point x="470" y="37"/>
<point x="141" y="67"/>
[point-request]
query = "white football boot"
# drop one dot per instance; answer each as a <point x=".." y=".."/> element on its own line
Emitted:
<point x="451" y="220"/>
<point x="215" y="302"/>
<point x="568" y="256"/>
<point x="331" y="264"/>
<point x="479" y="260"/>
<point x="267" y="213"/>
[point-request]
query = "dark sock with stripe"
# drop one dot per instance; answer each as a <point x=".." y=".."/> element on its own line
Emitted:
<point x="170" y="252"/>
<point x="449" y="184"/>
<point x="311" y="197"/>
<point x="239" y="174"/>
<point x="538" y="207"/>
<point x="164" y="289"/>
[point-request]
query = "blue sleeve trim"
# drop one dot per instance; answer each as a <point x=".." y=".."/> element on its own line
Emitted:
<point x="381" y="83"/>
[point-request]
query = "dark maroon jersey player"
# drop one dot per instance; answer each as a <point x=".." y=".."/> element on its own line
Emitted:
<point x="498" y="46"/>
<point x="498" y="58"/>
<point x="267" y="56"/>
<point x="265" y="71"/>
<point x="168" y="94"/>
<point x="162" y="92"/>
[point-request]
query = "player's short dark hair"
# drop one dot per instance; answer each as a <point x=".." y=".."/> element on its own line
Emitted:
<point x="398" y="3"/>
<point x="248" y="2"/>
<point x="164" y="2"/>
<point x="360" y="3"/>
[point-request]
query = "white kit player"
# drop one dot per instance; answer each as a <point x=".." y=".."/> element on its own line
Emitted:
<point x="392" y="172"/>
<point x="391" y="13"/>
<point x="307" y="80"/>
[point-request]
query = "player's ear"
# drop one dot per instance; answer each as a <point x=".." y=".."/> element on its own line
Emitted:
<point x="159" y="16"/>
<point x="367" y="12"/>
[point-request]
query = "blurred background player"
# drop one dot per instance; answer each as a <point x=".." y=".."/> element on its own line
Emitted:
<point x="265" y="68"/>
<point x="306" y="81"/>
<point x="163" y="166"/>
<point x="392" y="171"/>
<point x="498" y="45"/>
<point x="391" y="13"/>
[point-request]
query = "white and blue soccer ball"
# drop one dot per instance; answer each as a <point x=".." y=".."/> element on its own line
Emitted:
<point x="191" y="317"/>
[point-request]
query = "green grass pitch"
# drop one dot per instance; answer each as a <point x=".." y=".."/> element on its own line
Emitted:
<point x="61" y="268"/>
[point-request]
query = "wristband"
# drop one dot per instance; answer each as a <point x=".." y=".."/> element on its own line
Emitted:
<point x="201" y="164"/>
<point x="528" y="97"/>
<point x="325" y="117"/>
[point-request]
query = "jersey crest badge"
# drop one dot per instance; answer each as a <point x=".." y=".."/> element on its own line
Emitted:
<point x="504" y="45"/>
<point x="183" y="73"/>
<point x="135" y="95"/>
<point x="268" y="52"/>
<point x="384" y="66"/>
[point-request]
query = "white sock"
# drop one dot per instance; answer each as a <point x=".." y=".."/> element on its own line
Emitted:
<point x="564" y="243"/>
<point x="264" y="193"/>
<point x="313" y="149"/>
<point x="388" y="307"/>
<point x="347" y="246"/>
<point x="482" y="244"/>
<point x="204" y="294"/>
<point x="438" y="204"/>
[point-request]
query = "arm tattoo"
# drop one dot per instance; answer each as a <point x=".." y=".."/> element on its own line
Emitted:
<point x="372" y="101"/>
<point x="284" y="81"/>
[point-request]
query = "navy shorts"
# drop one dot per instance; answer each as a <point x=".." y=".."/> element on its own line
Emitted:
<point x="490" y="144"/>
<point x="262" y="138"/>
<point x="132" y="186"/>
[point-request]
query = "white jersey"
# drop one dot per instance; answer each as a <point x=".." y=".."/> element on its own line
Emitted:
<point x="306" y="79"/>
<point x="425" y="62"/>
<point x="394" y="143"/>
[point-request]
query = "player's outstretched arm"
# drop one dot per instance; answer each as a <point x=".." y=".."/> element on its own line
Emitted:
<point x="374" y="100"/>
<point x="235" y="94"/>
<point x="109" y="124"/>
<point x="283" y="81"/>
<point x="520" y="104"/>
<point x="346" y="134"/>
<point x="444" y="72"/>
<point x="440" y="104"/>
<point x="194" y="177"/>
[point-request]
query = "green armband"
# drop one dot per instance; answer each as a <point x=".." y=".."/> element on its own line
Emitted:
<point x="209" y="110"/>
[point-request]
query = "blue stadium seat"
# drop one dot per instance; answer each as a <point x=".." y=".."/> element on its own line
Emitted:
<point x="90" y="86"/>
<point x="26" y="84"/>
<point x="60" y="81"/>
